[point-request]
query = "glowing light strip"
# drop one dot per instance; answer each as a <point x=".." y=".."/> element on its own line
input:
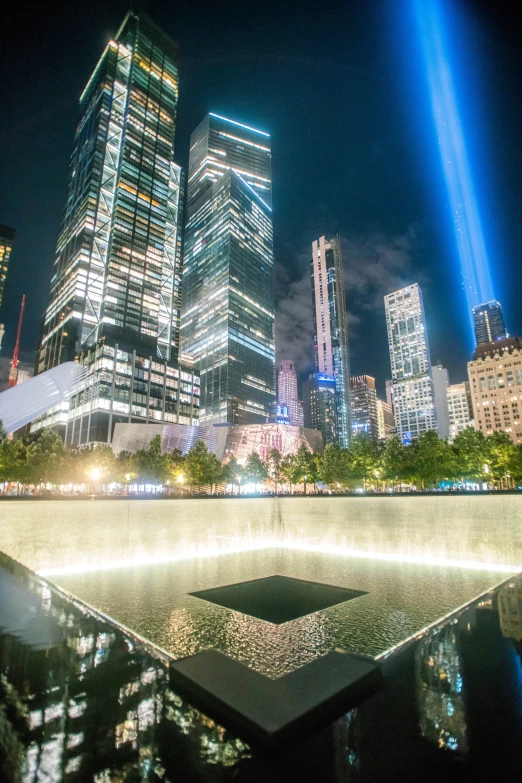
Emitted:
<point x="251" y="188"/>
<point x="453" y="154"/>
<point x="239" y="124"/>
<point x="213" y="551"/>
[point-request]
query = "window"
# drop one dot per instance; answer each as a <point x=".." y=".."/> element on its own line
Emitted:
<point x="491" y="382"/>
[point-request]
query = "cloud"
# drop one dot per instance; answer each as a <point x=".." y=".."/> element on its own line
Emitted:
<point x="375" y="263"/>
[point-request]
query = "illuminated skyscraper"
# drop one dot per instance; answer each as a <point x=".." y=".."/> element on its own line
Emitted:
<point x="6" y="245"/>
<point x="287" y="395"/>
<point x="489" y="322"/>
<point x="412" y="389"/>
<point x="7" y="236"/>
<point x="330" y="331"/>
<point x="365" y="420"/>
<point x="115" y="291"/>
<point x="227" y="321"/>
<point x="321" y="407"/>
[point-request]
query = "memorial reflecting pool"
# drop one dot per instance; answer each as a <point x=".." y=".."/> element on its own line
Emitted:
<point x="399" y="600"/>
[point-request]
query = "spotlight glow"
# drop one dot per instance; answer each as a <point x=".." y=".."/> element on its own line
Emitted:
<point x="225" y="548"/>
<point x="453" y="153"/>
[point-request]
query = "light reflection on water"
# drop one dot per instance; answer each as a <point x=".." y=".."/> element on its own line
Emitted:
<point x="402" y="599"/>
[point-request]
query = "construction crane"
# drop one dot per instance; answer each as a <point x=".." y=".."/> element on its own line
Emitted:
<point x="13" y="372"/>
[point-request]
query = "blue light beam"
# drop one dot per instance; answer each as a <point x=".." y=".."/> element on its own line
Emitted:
<point x="453" y="154"/>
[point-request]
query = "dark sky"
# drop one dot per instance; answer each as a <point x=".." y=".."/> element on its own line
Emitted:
<point x="339" y="87"/>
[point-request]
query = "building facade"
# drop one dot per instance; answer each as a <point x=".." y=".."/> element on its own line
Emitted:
<point x="7" y="236"/>
<point x="495" y="379"/>
<point x="223" y="440"/>
<point x="440" y="387"/>
<point x="459" y="408"/>
<point x="332" y="356"/>
<point x="489" y="322"/>
<point x="287" y="394"/>
<point x="320" y="406"/>
<point x="227" y="322"/>
<point x="117" y="277"/>
<point x="385" y="420"/>
<point x="365" y="419"/>
<point x="412" y="389"/>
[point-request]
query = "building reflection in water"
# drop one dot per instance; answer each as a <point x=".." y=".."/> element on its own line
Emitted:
<point x="80" y="702"/>
<point x="439" y="684"/>
<point x="510" y="609"/>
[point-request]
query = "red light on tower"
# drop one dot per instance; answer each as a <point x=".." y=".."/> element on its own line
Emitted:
<point x="13" y="372"/>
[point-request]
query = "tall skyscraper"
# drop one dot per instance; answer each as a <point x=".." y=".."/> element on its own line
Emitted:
<point x="7" y="236"/>
<point x="412" y="385"/>
<point x="227" y="320"/>
<point x="321" y="407"/>
<point x="489" y="322"/>
<point x="364" y="406"/>
<point x="287" y="395"/>
<point x="332" y="355"/>
<point x="115" y="291"/>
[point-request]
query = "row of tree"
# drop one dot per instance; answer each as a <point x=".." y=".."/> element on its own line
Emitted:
<point x="42" y="459"/>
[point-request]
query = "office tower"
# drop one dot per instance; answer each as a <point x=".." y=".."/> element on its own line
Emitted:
<point x="459" y="408"/>
<point x="227" y="319"/>
<point x="287" y="395"/>
<point x="495" y="378"/>
<point x="364" y="406"/>
<point x="115" y="291"/>
<point x="440" y="378"/>
<point x="385" y="419"/>
<point x="412" y="385"/>
<point x="489" y="322"/>
<point x="7" y="236"/>
<point x="320" y="406"/>
<point x="332" y="356"/>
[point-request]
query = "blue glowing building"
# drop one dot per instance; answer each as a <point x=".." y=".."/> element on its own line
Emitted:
<point x="320" y="406"/>
<point x="489" y="322"/>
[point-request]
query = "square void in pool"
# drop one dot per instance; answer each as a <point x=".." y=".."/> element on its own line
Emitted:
<point x="278" y="599"/>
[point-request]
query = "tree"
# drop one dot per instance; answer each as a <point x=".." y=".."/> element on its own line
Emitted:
<point x="501" y="451"/>
<point x="364" y="458"/>
<point x="150" y="464"/>
<point x="290" y="470"/>
<point x="214" y="471"/>
<point x="471" y="454"/>
<point x="305" y="467"/>
<point x="196" y="464"/>
<point x="255" y="469"/>
<point x="434" y="459"/>
<point x="396" y="463"/>
<point x="274" y="467"/>
<point x="332" y="466"/>
<point x="44" y="458"/>
<point x="232" y="472"/>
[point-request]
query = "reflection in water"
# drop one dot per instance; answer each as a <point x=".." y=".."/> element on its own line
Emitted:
<point x="439" y="681"/>
<point x="510" y="609"/>
<point x="83" y="703"/>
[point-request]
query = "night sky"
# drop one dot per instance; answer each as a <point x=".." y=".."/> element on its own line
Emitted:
<point x="339" y="87"/>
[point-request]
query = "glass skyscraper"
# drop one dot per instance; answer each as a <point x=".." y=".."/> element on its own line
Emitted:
<point x="332" y="356"/>
<point x="412" y="388"/>
<point x="489" y="322"/>
<point x="115" y="291"/>
<point x="227" y="321"/>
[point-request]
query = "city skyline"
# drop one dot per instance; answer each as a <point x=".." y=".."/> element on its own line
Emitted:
<point x="395" y="251"/>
